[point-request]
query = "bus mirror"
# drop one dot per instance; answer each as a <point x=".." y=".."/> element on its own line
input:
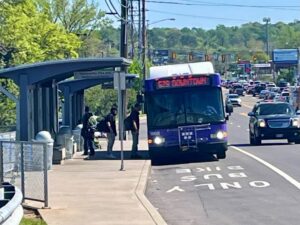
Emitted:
<point x="229" y="108"/>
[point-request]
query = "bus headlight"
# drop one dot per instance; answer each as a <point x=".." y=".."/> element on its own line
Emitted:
<point x="295" y="122"/>
<point x="261" y="123"/>
<point x="219" y="135"/>
<point x="158" y="140"/>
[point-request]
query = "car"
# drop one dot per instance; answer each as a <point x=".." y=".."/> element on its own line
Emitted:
<point x="263" y="93"/>
<point x="273" y="120"/>
<point x="258" y="88"/>
<point x="285" y="95"/>
<point x="234" y="99"/>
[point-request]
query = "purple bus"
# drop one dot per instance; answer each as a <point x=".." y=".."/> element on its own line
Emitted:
<point x="185" y="112"/>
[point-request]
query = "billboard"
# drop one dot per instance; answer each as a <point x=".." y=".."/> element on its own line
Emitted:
<point x="285" y="56"/>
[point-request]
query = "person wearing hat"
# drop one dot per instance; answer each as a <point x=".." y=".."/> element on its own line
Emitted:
<point x="87" y="133"/>
<point x="134" y="115"/>
<point x="112" y="131"/>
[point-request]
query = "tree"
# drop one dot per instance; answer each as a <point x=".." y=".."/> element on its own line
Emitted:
<point x="28" y="36"/>
<point x="32" y="36"/>
<point x="80" y="17"/>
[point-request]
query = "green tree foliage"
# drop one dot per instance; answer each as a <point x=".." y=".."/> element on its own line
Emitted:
<point x="32" y="36"/>
<point x="77" y="16"/>
<point x="27" y="36"/>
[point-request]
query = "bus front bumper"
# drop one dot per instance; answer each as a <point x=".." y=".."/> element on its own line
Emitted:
<point x="205" y="148"/>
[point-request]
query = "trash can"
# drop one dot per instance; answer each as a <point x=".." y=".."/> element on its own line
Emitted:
<point x="45" y="136"/>
<point x="78" y="138"/>
<point x="65" y="138"/>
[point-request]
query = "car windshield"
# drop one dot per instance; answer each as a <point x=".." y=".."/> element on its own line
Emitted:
<point x="233" y="96"/>
<point x="273" y="109"/>
<point x="171" y="108"/>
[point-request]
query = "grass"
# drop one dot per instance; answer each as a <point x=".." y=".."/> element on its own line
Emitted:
<point x="32" y="221"/>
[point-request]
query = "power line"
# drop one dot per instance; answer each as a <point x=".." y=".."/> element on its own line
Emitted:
<point x="203" y="17"/>
<point x="276" y="7"/>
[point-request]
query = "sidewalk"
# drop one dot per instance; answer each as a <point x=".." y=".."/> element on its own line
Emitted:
<point x="94" y="191"/>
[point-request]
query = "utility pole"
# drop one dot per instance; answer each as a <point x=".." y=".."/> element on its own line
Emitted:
<point x="144" y="39"/>
<point x="131" y="30"/>
<point x="139" y="31"/>
<point x="298" y="74"/>
<point x="267" y="20"/>
<point x="124" y="21"/>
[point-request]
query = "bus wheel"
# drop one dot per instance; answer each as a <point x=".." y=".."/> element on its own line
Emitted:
<point x="155" y="157"/>
<point x="221" y="155"/>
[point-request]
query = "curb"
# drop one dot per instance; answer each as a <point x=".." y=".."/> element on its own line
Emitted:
<point x="140" y="194"/>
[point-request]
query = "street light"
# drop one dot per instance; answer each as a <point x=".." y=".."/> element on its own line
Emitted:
<point x="158" y="21"/>
<point x="267" y="20"/>
<point x="144" y="41"/>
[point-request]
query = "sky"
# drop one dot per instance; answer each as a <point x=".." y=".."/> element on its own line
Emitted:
<point x="208" y="14"/>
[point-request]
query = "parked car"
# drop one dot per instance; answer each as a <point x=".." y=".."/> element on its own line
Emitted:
<point x="274" y="120"/>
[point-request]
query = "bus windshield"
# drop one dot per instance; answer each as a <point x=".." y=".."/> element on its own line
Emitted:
<point x="171" y="108"/>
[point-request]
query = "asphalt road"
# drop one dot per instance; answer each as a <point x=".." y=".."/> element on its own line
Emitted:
<point x="253" y="185"/>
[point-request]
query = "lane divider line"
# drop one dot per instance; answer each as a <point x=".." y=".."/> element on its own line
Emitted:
<point x="247" y="106"/>
<point x="270" y="166"/>
<point x="244" y="114"/>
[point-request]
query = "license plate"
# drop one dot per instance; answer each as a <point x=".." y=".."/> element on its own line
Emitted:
<point x="279" y="135"/>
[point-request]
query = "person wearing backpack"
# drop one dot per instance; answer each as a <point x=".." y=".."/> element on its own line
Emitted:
<point x="134" y="116"/>
<point x="87" y="132"/>
<point x="111" y="131"/>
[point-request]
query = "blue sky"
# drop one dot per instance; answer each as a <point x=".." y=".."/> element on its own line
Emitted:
<point x="223" y="12"/>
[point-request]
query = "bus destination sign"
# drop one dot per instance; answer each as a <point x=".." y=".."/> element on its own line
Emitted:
<point x="182" y="82"/>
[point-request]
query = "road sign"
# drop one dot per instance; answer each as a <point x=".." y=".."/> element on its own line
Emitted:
<point x="93" y="74"/>
<point x="287" y="56"/>
<point x="119" y="81"/>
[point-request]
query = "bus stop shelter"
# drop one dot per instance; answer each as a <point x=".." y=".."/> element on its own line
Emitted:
<point x="37" y="103"/>
<point x="73" y="93"/>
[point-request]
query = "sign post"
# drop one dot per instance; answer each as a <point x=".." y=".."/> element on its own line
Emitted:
<point x="119" y="84"/>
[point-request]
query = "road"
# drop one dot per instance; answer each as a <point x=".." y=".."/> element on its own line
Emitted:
<point x="253" y="185"/>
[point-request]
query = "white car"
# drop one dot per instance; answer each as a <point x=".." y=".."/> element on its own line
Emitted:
<point x="234" y="99"/>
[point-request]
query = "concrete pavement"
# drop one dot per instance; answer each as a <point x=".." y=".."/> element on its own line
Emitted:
<point x="94" y="191"/>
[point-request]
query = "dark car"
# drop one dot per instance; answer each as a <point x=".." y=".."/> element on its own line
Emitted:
<point x="274" y="120"/>
<point x="258" y="88"/>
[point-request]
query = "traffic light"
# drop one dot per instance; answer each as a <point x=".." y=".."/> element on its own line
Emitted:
<point x="223" y="58"/>
<point x="254" y="58"/>
<point x="173" y="55"/>
<point x="190" y="56"/>
<point x="238" y="58"/>
<point x="207" y="57"/>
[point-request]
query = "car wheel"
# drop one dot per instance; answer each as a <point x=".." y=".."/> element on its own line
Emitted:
<point x="297" y="141"/>
<point x="221" y="155"/>
<point x="257" y="141"/>
<point x="290" y="141"/>
<point x="252" y="141"/>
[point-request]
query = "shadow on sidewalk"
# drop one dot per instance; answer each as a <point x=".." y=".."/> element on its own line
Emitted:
<point x="102" y="155"/>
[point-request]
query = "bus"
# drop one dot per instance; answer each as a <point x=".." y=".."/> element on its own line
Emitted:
<point x="185" y="112"/>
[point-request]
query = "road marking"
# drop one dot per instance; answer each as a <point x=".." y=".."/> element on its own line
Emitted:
<point x="244" y="114"/>
<point x="239" y="126"/>
<point x="183" y="170"/>
<point x="247" y="106"/>
<point x="270" y="166"/>
<point x="176" y="188"/>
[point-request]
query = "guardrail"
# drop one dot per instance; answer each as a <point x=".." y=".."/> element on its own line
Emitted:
<point x="11" y="211"/>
